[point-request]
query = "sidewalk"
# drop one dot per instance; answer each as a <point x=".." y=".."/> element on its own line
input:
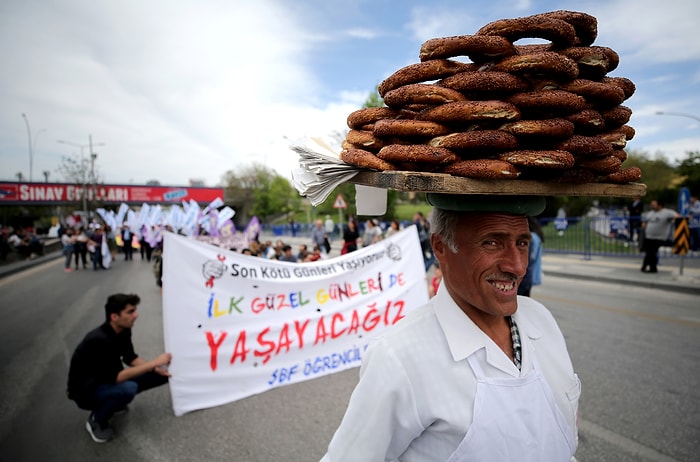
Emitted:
<point x="626" y="271"/>
<point x="603" y="269"/>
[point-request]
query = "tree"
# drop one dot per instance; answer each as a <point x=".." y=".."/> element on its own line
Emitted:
<point x="78" y="170"/>
<point x="689" y="170"/>
<point x="658" y="174"/>
<point x="74" y="169"/>
<point x="257" y="190"/>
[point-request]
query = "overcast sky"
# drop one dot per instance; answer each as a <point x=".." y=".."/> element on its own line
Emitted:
<point x="175" y="90"/>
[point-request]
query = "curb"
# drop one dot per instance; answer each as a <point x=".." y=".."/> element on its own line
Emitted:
<point x="15" y="268"/>
<point x="638" y="283"/>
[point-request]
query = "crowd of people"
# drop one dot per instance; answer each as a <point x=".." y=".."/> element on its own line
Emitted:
<point x="465" y="254"/>
<point x="80" y="245"/>
<point x="23" y="242"/>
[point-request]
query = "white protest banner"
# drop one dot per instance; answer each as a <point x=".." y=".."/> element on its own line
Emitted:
<point x="143" y="215"/>
<point x="224" y="215"/>
<point x="215" y="204"/>
<point x="121" y="214"/>
<point x="239" y="325"/>
<point x="106" y="254"/>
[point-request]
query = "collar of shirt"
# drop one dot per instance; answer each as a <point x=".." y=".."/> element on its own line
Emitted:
<point x="465" y="338"/>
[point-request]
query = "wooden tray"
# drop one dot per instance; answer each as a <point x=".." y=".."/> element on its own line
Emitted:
<point x="444" y="183"/>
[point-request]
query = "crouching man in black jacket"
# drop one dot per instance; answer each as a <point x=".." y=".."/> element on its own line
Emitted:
<point x="97" y="379"/>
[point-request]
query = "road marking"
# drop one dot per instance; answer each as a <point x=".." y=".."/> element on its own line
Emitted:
<point x="655" y="317"/>
<point x="629" y="446"/>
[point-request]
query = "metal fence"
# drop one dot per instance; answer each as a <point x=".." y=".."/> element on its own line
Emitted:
<point x="604" y="235"/>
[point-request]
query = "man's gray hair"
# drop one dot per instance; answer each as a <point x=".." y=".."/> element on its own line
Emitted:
<point x="444" y="224"/>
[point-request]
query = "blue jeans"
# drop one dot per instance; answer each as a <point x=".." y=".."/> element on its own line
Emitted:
<point x="97" y="258"/>
<point x="68" y="253"/>
<point x="109" y="398"/>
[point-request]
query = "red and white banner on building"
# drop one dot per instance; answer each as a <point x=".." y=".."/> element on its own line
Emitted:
<point x="59" y="193"/>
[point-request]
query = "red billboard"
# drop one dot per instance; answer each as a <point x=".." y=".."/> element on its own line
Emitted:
<point x="62" y="193"/>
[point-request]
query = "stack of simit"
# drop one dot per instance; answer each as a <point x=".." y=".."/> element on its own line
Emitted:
<point x="545" y="111"/>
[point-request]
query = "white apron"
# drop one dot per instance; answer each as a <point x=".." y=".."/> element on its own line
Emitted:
<point x="515" y="419"/>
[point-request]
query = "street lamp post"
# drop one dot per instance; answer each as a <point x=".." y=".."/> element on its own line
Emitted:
<point x="29" y="140"/>
<point x="679" y="114"/>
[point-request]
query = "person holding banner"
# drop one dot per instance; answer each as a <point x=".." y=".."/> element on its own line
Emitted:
<point x="95" y="247"/>
<point x="81" y="243"/>
<point x="478" y="373"/>
<point x="127" y="237"/>
<point x="97" y="379"/>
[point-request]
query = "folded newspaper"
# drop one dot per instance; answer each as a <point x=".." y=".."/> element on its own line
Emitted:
<point x="320" y="170"/>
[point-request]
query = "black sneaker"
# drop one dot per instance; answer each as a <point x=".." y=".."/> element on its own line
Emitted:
<point x="98" y="433"/>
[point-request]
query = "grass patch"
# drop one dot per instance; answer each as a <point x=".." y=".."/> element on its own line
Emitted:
<point x="581" y="237"/>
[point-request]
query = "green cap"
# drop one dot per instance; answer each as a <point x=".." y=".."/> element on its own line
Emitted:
<point x="514" y="205"/>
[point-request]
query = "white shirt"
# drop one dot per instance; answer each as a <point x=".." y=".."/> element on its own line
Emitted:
<point x="415" y="398"/>
<point x="659" y="224"/>
<point x="695" y="208"/>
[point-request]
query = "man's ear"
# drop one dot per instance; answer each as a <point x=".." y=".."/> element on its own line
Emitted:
<point x="439" y="247"/>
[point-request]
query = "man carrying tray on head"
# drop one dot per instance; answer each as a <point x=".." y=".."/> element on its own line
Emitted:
<point x="478" y="373"/>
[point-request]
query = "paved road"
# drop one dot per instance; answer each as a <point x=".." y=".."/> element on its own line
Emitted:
<point x="637" y="352"/>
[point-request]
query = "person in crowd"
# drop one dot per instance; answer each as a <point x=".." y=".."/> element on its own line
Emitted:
<point x="319" y="237"/>
<point x="5" y="246"/>
<point x="694" y="223"/>
<point x="81" y="243"/>
<point x="28" y="245"/>
<point x="657" y="224"/>
<point x="478" y="373"/>
<point x="95" y="247"/>
<point x="68" y="243"/>
<point x="394" y="227"/>
<point x="351" y="236"/>
<point x="329" y="225"/>
<point x="111" y="237"/>
<point x="16" y="244"/>
<point x="127" y="246"/>
<point x="268" y="250"/>
<point x="97" y="379"/>
<point x="158" y="264"/>
<point x="373" y="233"/>
<point x="287" y="254"/>
<point x="423" y="228"/>
<point x="315" y="254"/>
<point x="303" y="252"/>
<point x="435" y="280"/>
<point x="279" y="249"/>
<point x="635" y="210"/>
<point x="142" y="242"/>
<point x="533" y="276"/>
<point x="146" y="249"/>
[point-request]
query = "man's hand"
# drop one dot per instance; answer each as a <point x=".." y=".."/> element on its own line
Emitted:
<point x="162" y="362"/>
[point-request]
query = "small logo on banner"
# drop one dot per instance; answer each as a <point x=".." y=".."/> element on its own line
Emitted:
<point x="175" y="195"/>
<point x="213" y="269"/>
